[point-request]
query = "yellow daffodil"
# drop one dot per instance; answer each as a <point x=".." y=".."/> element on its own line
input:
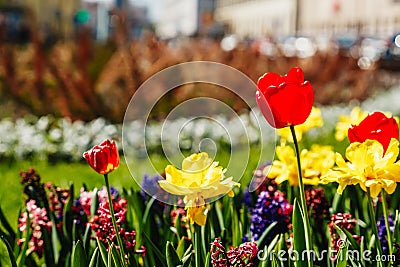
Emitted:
<point x="367" y="166"/>
<point x="313" y="121"/>
<point x="199" y="179"/>
<point x="315" y="162"/>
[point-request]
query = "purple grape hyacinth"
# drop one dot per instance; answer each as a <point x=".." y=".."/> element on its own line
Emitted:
<point x="270" y="207"/>
<point x="382" y="233"/>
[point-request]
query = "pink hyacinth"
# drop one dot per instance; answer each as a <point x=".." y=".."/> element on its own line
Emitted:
<point x="38" y="221"/>
<point x="241" y="256"/>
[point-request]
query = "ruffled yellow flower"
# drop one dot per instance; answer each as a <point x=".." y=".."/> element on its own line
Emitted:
<point x="367" y="166"/>
<point x="315" y="162"/>
<point x="313" y="121"/>
<point x="199" y="179"/>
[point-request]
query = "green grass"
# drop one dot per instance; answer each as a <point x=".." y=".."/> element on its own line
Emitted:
<point x="61" y="174"/>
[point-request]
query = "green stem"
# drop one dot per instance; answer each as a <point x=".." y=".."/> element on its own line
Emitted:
<point x="111" y="207"/>
<point x="374" y="226"/>
<point x="197" y="245"/>
<point x="386" y="216"/>
<point x="307" y="227"/>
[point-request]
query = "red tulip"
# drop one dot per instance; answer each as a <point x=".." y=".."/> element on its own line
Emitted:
<point x="375" y="126"/>
<point x="285" y="100"/>
<point x="103" y="158"/>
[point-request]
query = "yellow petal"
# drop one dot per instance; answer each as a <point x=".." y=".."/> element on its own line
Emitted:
<point x="196" y="162"/>
<point x="174" y="189"/>
<point x="197" y="215"/>
<point x="374" y="187"/>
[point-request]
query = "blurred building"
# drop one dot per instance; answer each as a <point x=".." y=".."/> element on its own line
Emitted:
<point x="51" y="17"/>
<point x="186" y="18"/>
<point x="365" y="17"/>
<point x="179" y="17"/>
<point x="257" y="17"/>
<point x="286" y="17"/>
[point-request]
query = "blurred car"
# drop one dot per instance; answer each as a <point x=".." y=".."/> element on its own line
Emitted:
<point x="391" y="58"/>
<point x="368" y="50"/>
<point x="297" y="46"/>
<point x="371" y="47"/>
<point x="344" y="43"/>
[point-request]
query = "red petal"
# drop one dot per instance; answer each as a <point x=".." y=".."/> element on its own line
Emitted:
<point x="295" y="75"/>
<point x="267" y="80"/>
<point x="265" y="109"/>
<point x="375" y="126"/>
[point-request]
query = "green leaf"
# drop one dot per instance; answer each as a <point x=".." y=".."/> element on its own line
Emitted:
<point x="154" y="248"/>
<point x="6" y="225"/>
<point x="116" y="256"/>
<point x="265" y="262"/>
<point x="206" y="264"/>
<point x="344" y="246"/>
<point x="396" y="227"/>
<point x="10" y="251"/>
<point x="275" y="261"/>
<point x="268" y="251"/>
<point x="103" y="251"/>
<point x="180" y="250"/>
<point x="299" y="242"/>
<point x="110" y="262"/>
<point x="219" y="215"/>
<point x="171" y="255"/>
<point x="95" y="202"/>
<point x="342" y="256"/>
<point x="263" y="239"/>
<point x="86" y="238"/>
<point x="206" y="236"/>
<point x="147" y="210"/>
<point x="48" y="247"/>
<point x="55" y="240"/>
<point x="67" y="216"/>
<point x="236" y="233"/>
<point x="78" y="258"/>
<point x="93" y="260"/>
<point x="187" y="259"/>
<point x="362" y="244"/>
<point x="351" y="239"/>
<point x="196" y="241"/>
<point x="27" y="235"/>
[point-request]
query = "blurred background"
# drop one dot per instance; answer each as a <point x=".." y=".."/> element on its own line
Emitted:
<point x="84" y="59"/>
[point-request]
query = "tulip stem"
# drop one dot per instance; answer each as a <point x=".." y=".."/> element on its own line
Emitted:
<point x="116" y="230"/>
<point x="197" y="245"/>
<point x="306" y="219"/>
<point x="374" y="226"/>
<point x="386" y="216"/>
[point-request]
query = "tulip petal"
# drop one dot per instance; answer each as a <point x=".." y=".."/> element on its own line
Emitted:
<point x="295" y="75"/>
